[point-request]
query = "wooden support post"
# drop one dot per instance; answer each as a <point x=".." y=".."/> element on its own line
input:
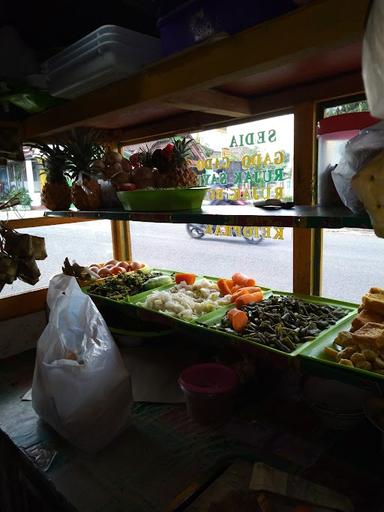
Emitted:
<point x="121" y="233"/>
<point x="304" y="172"/>
<point x="121" y="240"/>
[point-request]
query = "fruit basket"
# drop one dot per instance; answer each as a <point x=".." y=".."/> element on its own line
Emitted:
<point x="162" y="179"/>
<point x="168" y="199"/>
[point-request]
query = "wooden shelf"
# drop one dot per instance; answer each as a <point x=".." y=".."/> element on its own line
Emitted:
<point x="297" y="217"/>
<point x="263" y="69"/>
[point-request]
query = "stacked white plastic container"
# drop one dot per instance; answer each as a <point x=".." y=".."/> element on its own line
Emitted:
<point x="106" y="55"/>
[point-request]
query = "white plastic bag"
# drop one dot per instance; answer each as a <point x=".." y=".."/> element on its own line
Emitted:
<point x="358" y="151"/>
<point x="81" y="386"/>
<point x="373" y="59"/>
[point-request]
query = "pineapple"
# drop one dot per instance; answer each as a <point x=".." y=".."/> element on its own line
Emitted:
<point x="142" y="175"/>
<point x="174" y="169"/>
<point x="86" y="195"/>
<point x="82" y="154"/>
<point x="56" y="194"/>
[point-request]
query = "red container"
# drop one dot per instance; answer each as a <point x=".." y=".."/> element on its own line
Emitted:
<point x="209" y="391"/>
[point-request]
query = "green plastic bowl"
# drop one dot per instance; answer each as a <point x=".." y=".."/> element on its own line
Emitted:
<point x="163" y="199"/>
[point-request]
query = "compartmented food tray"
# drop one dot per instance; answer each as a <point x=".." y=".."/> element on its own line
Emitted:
<point x="313" y="359"/>
<point x="212" y="319"/>
<point x="117" y="312"/>
<point x="137" y="301"/>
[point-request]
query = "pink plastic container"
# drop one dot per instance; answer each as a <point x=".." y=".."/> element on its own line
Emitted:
<point x="209" y="391"/>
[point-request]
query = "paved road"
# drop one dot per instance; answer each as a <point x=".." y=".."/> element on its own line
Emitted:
<point x="353" y="260"/>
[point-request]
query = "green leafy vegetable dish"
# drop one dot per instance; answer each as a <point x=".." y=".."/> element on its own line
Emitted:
<point x="125" y="284"/>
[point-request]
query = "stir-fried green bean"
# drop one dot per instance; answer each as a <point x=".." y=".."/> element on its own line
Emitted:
<point x="284" y="322"/>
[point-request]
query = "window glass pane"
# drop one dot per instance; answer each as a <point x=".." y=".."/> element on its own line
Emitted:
<point x="352" y="258"/>
<point x="352" y="263"/>
<point x="170" y="246"/>
<point x="347" y="108"/>
<point x="17" y="178"/>
<point x="37" y="170"/>
<point x="25" y="179"/>
<point x="84" y="242"/>
<point x="241" y="164"/>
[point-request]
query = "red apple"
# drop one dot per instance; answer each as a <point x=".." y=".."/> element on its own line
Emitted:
<point x="116" y="270"/>
<point x="125" y="265"/>
<point x="104" y="272"/>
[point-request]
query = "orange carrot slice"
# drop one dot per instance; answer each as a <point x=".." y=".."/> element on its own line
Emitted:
<point x="229" y="283"/>
<point x="188" y="278"/>
<point x="245" y="291"/>
<point x="239" y="278"/>
<point x="247" y="299"/>
<point x="232" y="312"/>
<point x="223" y="287"/>
<point x="237" y="294"/>
<point x="243" y="280"/>
<point x="239" y="321"/>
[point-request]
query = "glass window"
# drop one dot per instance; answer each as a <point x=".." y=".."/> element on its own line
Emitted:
<point x="241" y="164"/>
<point x="14" y="179"/>
<point x="352" y="258"/>
<point x="84" y="242"/>
<point x="352" y="263"/>
<point x="36" y="175"/>
<point x="347" y="108"/>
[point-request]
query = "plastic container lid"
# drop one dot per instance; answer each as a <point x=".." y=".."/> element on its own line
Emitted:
<point x="103" y="33"/>
<point x="208" y="379"/>
<point x="345" y="122"/>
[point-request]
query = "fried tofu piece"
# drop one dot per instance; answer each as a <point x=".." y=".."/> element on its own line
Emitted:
<point x="374" y="302"/>
<point x="346" y="353"/>
<point x="346" y="362"/>
<point x="376" y="290"/>
<point x="364" y="365"/>
<point x="371" y="335"/>
<point x="370" y="355"/>
<point x="364" y="317"/>
<point x="344" y="339"/>
<point x="331" y="352"/>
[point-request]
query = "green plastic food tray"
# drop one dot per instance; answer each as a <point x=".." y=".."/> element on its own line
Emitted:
<point x="141" y="333"/>
<point x="213" y="318"/>
<point x="168" y="199"/>
<point x="312" y="359"/>
<point x="173" y="320"/>
<point x="128" y="297"/>
<point x="118" y="312"/>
